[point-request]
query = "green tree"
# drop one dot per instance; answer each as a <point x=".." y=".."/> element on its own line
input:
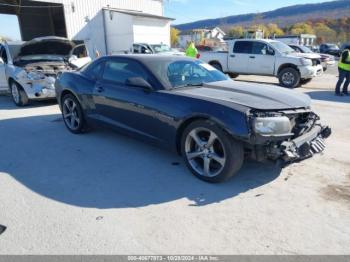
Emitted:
<point x="174" y="36"/>
<point x="236" y="31"/>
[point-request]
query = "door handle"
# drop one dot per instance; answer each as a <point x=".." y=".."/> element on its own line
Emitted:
<point x="232" y="55"/>
<point x="99" y="89"/>
<point x="252" y="57"/>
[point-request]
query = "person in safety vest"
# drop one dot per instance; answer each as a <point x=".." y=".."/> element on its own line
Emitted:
<point x="344" y="72"/>
<point x="191" y="50"/>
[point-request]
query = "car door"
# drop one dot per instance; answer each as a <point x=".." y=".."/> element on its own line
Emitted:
<point x="131" y="108"/>
<point x="3" y="61"/>
<point x="262" y="59"/>
<point x="239" y="57"/>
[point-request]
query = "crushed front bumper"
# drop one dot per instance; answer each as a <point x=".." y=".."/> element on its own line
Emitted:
<point x="306" y="145"/>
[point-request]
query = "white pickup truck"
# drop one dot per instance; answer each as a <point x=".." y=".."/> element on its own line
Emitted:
<point x="268" y="58"/>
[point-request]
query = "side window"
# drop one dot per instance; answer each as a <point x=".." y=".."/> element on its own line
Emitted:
<point x="243" y="47"/>
<point x="3" y="54"/>
<point x="118" y="71"/>
<point x="259" y="48"/>
<point x="96" y="70"/>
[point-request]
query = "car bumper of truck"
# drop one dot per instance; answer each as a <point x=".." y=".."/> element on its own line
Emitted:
<point x="310" y="71"/>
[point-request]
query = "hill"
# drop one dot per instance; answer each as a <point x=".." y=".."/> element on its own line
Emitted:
<point x="283" y="16"/>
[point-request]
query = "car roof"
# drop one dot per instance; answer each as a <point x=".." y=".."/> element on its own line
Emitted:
<point x="152" y="57"/>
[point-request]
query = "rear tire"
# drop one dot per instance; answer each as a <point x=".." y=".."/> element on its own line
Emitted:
<point x="73" y="115"/>
<point x="18" y="94"/>
<point x="289" y="77"/>
<point x="233" y="75"/>
<point x="217" y="66"/>
<point x="210" y="153"/>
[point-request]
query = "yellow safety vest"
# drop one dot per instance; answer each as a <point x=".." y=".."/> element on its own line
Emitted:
<point x="342" y="65"/>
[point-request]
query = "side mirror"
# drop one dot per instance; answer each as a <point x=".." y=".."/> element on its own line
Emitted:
<point x="139" y="82"/>
<point x="1" y="61"/>
<point x="270" y="52"/>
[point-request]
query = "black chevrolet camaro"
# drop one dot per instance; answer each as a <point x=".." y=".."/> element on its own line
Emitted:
<point x="185" y="104"/>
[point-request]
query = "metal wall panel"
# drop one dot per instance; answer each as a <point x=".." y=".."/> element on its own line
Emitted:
<point x="78" y="12"/>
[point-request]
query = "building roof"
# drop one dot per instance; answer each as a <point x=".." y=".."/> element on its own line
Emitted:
<point x="137" y="13"/>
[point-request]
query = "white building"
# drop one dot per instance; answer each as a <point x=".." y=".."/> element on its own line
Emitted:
<point x="109" y="26"/>
<point x="212" y="37"/>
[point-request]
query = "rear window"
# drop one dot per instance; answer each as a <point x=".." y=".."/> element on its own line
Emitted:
<point x="243" y="47"/>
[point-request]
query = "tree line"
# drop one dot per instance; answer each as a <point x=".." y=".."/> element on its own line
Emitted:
<point x="326" y="30"/>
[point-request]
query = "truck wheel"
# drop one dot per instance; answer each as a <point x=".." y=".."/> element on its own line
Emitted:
<point x="233" y="75"/>
<point x="289" y="77"/>
<point x="210" y="153"/>
<point x="19" y="97"/>
<point x="305" y="81"/>
<point x="217" y="66"/>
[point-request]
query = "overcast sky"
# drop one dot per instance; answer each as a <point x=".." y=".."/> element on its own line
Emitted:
<point x="185" y="11"/>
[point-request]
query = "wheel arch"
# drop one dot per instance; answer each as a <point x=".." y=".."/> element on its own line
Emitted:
<point x="288" y="65"/>
<point x="212" y="62"/>
<point x="190" y="120"/>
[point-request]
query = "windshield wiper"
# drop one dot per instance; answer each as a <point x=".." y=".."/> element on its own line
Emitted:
<point x="191" y="85"/>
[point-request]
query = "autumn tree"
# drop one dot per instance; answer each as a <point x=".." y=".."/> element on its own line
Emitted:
<point x="325" y="33"/>
<point x="273" y="29"/>
<point x="174" y="36"/>
<point x="301" y="28"/>
<point x="236" y="31"/>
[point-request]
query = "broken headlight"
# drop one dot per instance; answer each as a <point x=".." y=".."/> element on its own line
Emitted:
<point x="35" y="76"/>
<point x="279" y="125"/>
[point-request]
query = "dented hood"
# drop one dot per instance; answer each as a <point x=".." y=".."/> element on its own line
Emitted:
<point x="47" y="46"/>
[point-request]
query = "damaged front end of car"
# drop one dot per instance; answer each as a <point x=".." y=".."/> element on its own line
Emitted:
<point x="289" y="135"/>
<point x="39" y="78"/>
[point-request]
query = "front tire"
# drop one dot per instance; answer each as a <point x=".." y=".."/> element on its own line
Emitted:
<point x="305" y="81"/>
<point x="18" y="95"/>
<point x="72" y="114"/>
<point x="289" y="77"/>
<point x="217" y="66"/>
<point x="210" y="153"/>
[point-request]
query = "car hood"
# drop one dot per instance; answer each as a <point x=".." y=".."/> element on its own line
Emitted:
<point x="47" y="46"/>
<point x="254" y="96"/>
<point x="307" y="55"/>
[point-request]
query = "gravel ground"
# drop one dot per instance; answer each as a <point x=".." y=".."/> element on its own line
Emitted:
<point x="103" y="193"/>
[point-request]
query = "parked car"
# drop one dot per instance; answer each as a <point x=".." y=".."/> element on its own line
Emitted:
<point x="326" y="60"/>
<point x="330" y="49"/>
<point x="159" y="49"/>
<point x="265" y="57"/>
<point x="29" y="70"/>
<point x="188" y="105"/>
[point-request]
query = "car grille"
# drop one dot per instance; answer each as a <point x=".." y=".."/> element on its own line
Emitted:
<point x="316" y="62"/>
<point x="302" y="122"/>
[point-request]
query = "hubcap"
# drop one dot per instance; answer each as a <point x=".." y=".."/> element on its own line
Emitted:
<point x="205" y="152"/>
<point x="15" y="93"/>
<point x="288" y="78"/>
<point x="70" y="114"/>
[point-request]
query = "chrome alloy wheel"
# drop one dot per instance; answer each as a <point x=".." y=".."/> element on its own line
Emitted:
<point x="70" y="114"/>
<point x="15" y="93"/>
<point x="288" y="78"/>
<point x="205" y="152"/>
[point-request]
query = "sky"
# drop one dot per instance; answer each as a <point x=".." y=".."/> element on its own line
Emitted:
<point x="185" y="11"/>
<point x="193" y="10"/>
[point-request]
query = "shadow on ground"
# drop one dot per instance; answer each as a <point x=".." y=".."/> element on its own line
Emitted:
<point x="328" y="96"/>
<point x="5" y="105"/>
<point x="103" y="169"/>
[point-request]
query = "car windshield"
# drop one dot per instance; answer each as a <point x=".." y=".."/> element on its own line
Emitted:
<point x="177" y="74"/>
<point x="14" y="50"/>
<point x="305" y="49"/>
<point x="332" y="46"/>
<point x="161" y="48"/>
<point x="282" y="47"/>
